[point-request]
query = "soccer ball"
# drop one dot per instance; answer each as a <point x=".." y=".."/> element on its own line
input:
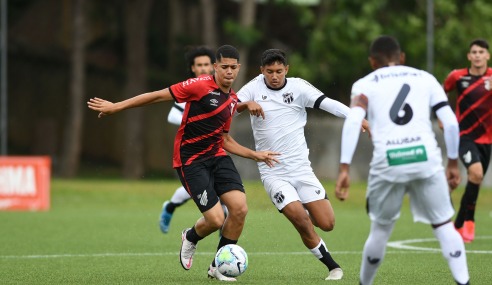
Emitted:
<point x="231" y="260"/>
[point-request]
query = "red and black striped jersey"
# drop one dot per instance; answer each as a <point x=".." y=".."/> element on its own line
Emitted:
<point x="473" y="104"/>
<point x="207" y="115"/>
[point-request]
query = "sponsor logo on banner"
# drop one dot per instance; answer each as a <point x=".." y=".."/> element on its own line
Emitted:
<point x="25" y="183"/>
<point x="406" y="155"/>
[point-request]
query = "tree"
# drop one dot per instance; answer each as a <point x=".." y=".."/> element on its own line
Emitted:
<point x="136" y="19"/>
<point x="71" y="145"/>
<point x="209" y="28"/>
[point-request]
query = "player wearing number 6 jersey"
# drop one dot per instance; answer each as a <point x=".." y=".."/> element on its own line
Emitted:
<point x="406" y="159"/>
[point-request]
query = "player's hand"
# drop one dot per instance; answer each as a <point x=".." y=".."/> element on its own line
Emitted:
<point x="255" y="109"/>
<point x="440" y="124"/>
<point x="343" y="183"/>
<point x="453" y="174"/>
<point x="102" y="106"/>
<point x="365" y="127"/>
<point x="267" y="157"/>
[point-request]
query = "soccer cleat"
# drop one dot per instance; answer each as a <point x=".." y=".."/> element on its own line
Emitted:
<point x="187" y="251"/>
<point x="468" y="231"/>
<point x="335" y="274"/>
<point x="165" y="218"/>
<point x="213" y="272"/>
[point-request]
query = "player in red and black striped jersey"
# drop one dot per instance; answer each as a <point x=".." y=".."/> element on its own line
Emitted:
<point x="474" y="113"/>
<point x="204" y="168"/>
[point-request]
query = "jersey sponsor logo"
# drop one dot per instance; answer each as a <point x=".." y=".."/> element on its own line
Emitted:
<point x="401" y="74"/>
<point x="193" y="80"/>
<point x="467" y="157"/>
<point x="279" y="197"/>
<point x="375" y="79"/>
<point x="203" y="198"/>
<point x="216" y="93"/>
<point x="264" y="97"/>
<point x="213" y="102"/>
<point x="288" y="97"/>
<point x="406" y="155"/>
<point x="465" y="77"/>
<point x="403" y="141"/>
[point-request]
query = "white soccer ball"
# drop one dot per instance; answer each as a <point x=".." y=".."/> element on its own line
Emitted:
<point x="231" y="260"/>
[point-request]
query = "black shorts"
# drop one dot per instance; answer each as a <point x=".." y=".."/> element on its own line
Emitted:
<point x="471" y="152"/>
<point x="207" y="180"/>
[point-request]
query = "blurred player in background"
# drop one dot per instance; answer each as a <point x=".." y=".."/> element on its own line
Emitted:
<point x="200" y="62"/>
<point x="474" y="113"/>
<point x="205" y="170"/>
<point x="406" y="157"/>
<point x="278" y="120"/>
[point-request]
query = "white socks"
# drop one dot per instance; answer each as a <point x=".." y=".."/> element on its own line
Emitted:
<point x="180" y="196"/>
<point x="453" y="250"/>
<point x="374" y="251"/>
<point x="316" y="250"/>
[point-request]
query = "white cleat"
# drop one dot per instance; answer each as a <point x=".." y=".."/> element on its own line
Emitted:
<point x="213" y="272"/>
<point x="335" y="274"/>
<point x="187" y="251"/>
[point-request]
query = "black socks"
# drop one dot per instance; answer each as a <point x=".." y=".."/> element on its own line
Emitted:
<point x="468" y="202"/>
<point x="192" y="236"/>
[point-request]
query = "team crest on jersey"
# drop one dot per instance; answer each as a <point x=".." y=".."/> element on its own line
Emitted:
<point x="288" y="97"/>
<point x="279" y="197"/>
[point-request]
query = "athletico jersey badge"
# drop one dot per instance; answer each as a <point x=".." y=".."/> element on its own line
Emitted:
<point x="203" y="198"/>
<point x="288" y="97"/>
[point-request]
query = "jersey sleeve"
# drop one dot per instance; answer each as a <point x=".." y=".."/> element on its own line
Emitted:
<point x="311" y="95"/>
<point x="438" y="96"/>
<point x="450" y="82"/>
<point x="359" y="88"/>
<point x="189" y="90"/>
<point x="246" y="93"/>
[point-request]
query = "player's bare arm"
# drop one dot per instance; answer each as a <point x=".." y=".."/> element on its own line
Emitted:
<point x="254" y="108"/>
<point x="266" y="156"/>
<point x="107" y="108"/>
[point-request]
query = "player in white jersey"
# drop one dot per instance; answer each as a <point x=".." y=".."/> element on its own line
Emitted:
<point x="291" y="185"/>
<point x="200" y="61"/>
<point x="406" y="159"/>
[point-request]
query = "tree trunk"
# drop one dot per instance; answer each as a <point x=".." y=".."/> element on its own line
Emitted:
<point x="176" y="27"/>
<point x="70" y="154"/>
<point x="246" y="19"/>
<point x="136" y="19"/>
<point x="209" y="32"/>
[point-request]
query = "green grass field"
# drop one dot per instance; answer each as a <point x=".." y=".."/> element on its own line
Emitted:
<point x="106" y="231"/>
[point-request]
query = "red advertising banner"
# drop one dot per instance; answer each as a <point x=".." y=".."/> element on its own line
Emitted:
<point x="25" y="183"/>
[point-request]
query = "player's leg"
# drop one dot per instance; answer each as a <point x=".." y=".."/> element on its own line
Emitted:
<point x="229" y="187"/>
<point x="384" y="200"/>
<point x="198" y="180"/>
<point x="429" y="204"/>
<point x="179" y="197"/>
<point x="476" y="178"/>
<point x="471" y="158"/>
<point x="286" y="198"/>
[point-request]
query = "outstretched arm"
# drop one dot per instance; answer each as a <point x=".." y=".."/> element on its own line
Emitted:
<point x="108" y="108"/>
<point x="340" y="110"/>
<point x="350" y="137"/>
<point x="253" y="108"/>
<point x="233" y="147"/>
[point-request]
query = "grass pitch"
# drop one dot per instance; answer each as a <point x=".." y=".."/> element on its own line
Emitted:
<point x="106" y="231"/>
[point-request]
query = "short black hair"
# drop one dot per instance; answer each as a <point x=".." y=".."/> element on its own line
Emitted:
<point x="480" y="42"/>
<point x="384" y="49"/>
<point x="196" y="52"/>
<point x="226" y="51"/>
<point x="271" y="56"/>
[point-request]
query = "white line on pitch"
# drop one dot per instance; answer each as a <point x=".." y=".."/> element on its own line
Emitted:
<point x="402" y="245"/>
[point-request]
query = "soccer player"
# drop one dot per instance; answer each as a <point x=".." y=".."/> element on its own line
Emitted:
<point x="205" y="170"/>
<point x="473" y="110"/>
<point x="292" y="185"/>
<point x="200" y="62"/>
<point x="406" y="157"/>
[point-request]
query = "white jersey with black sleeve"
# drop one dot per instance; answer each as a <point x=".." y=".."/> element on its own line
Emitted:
<point x="282" y="130"/>
<point x="400" y="99"/>
<point x="176" y="114"/>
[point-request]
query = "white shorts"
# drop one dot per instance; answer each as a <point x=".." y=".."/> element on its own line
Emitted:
<point x="430" y="201"/>
<point x="304" y="187"/>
